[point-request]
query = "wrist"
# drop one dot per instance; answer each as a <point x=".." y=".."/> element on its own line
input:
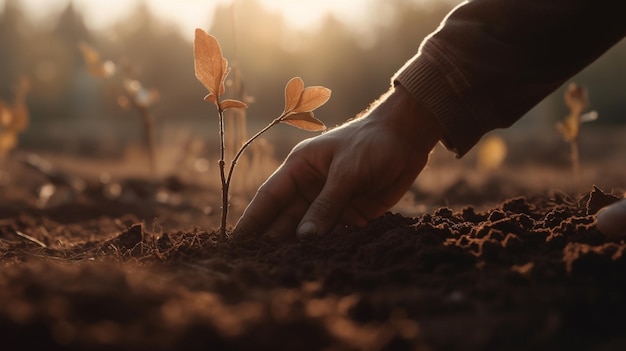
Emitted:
<point x="409" y="119"/>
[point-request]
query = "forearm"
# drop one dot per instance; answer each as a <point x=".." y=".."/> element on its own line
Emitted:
<point x="492" y="60"/>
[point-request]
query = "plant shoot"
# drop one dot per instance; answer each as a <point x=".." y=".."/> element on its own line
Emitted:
<point x="130" y="94"/>
<point x="577" y="100"/>
<point x="211" y="69"/>
<point x="14" y="118"/>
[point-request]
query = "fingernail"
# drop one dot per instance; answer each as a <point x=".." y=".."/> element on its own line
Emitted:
<point x="307" y="229"/>
<point x="611" y="220"/>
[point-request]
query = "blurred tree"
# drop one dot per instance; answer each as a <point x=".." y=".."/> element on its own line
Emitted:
<point x="14" y="32"/>
<point x="356" y="63"/>
<point x="154" y="52"/>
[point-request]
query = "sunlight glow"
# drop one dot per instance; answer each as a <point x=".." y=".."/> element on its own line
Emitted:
<point x="307" y="14"/>
<point x="191" y="14"/>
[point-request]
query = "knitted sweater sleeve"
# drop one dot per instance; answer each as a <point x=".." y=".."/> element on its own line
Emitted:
<point x="490" y="61"/>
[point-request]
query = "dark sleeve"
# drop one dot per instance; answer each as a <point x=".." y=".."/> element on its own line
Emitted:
<point x="490" y="61"/>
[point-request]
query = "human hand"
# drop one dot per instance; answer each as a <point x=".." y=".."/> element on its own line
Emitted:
<point x="349" y="175"/>
<point x="611" y="219"/>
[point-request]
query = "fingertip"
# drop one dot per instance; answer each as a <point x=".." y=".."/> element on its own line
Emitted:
<point x="611" y="220"/>
<point x="324" y="212"/>
<point x="246" y="226"/>
<point x="306" y="229"/>
<point x="239" y="231"/>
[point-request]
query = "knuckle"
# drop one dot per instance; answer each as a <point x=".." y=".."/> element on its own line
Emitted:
<point x="322" y="207"/>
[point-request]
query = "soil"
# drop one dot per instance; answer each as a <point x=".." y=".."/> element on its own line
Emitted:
<point x="134" y="264"/>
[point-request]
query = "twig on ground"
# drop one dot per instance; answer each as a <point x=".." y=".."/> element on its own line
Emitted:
<point x="30" y="238"/>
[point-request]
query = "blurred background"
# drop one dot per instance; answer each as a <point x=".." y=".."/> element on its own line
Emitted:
<point x="352" y="47"/>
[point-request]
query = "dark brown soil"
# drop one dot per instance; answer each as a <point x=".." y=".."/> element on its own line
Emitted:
<point x="93" y="272"/>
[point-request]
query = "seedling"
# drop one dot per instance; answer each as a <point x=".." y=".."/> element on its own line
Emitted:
<point x="211" y="69"/>
<point x="577" y="100"/>
<point x="14" y="118"/>
<point x="130" y="94"/>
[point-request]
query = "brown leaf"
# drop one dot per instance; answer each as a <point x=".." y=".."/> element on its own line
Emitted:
<point x="211" y="98"/>
<point x="8" y="141"/>
<point x="229" y="103"/>
<point x="568" y="128"/>
<point x="90" y="55"/>
<point x="209" y="63"/>
<point x="123" y="102"/>
<point x="6" y="116"/>
<point x="92" y="58"/>
<point x="576" y="98"/>
<point x="293" y="90"/>
<point x="312" y="98"/>
<point x="304" y="120"/>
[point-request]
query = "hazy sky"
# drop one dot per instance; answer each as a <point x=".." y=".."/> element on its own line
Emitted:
<point x="191" y="14"/>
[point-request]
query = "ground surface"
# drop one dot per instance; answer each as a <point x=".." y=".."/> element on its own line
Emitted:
<point x="126" y="264"/>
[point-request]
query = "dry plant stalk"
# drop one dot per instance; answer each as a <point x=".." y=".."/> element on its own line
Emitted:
<point x="211" y="69"/>
<point x="130" y="95"/>
<point x="577" y="100"/>
<point x="14" y="118"/>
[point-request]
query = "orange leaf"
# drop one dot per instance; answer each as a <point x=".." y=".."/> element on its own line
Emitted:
<point x="229" y="103"/>
<point x="211" y="98"/>
<point x="123" y="102"/>
<point x="6" y="117"/>
<point x="91" y="56"/>
<point x="208" y="61"/>
<point x="576" y="98"/>
<point x="293" y="90"/>
<point x="312" y="98"/>
<point x="304" y="120"/>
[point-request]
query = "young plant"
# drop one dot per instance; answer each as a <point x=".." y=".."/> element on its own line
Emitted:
<point x="130" y="94"/>
<point x="14" y="118"/>
<point x="211" y="69"/>
<point x="577" y="100"/>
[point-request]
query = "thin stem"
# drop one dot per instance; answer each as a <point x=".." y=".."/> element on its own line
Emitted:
<point x="246" y="144"/>
<point x="575" y="162"/>
<point x="148" y="125"/>
<point x="222" y="163"/>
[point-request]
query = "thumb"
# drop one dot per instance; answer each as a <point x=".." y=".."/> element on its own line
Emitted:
<point x="325" y="211"/>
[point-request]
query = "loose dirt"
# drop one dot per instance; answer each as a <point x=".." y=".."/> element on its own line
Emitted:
<point x="107" y="269"/>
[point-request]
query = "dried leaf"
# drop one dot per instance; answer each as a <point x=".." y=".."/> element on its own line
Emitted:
<point x="94" y="64"/>
<point x="304" y="120"/>
<point x="209" y="63"/>
<point x="211" y="98"/>
<point x="20" y="119"/>
<point x="293" y="91"/>
<point x="568" y="128"/>
<point x="229" y="103"/>
<point x="589" y="117"/>
<point x="8" y="141"/>
<point x="91" y="56"/>
<point x="146" y="97"/>
<point x="123" y="102"/>
<point x="6" y="117"/>
<point x="312" y="98"/>
<point x="576" y="98"/>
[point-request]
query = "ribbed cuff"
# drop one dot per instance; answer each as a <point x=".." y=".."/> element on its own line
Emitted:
<point x="434" y="83"/>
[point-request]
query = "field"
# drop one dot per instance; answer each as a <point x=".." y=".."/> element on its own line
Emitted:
<point x="484" y="261"/>
<point x="111" y="195"/>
